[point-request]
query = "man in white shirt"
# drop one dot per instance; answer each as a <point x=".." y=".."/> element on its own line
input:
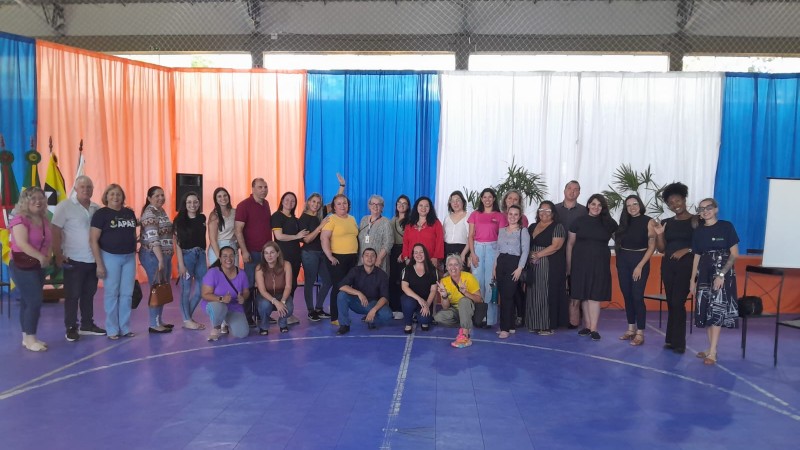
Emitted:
<point x="70" y="228"/>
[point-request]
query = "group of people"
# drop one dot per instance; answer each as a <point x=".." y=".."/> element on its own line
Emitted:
<point x="544" y="275"/>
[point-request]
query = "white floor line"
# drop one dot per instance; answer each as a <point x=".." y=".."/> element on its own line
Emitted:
<point x="62" y="368"/>
<point x="791" y="414"/>
<point x="758" y="388"/>
<point x="397" y="398"/>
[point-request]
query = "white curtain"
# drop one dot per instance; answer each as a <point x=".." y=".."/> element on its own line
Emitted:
<point x="579" y="126"/>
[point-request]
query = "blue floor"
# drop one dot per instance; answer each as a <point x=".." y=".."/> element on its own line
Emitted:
<point x="310" y="389"/>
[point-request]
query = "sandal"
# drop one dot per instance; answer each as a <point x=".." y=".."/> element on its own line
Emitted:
<point x="35" y="347"/>
<point x="628" y="335"/>
<point x="702" y="355"/>
<point x="192" y="325"/>
<point x="129" y="334"/>
<point x="710" y="359"/>
<point x="284" y="329"/>
<point x="638" y="339"/>
<point x="113" y="337"/>
<point x="214" y="335"/>
<point x="504" y="335"/>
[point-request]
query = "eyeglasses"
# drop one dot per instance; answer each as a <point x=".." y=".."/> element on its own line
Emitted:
<point x="546" y="211"/>
<point x="374" y="204"/>
<point x="705" y="208"/>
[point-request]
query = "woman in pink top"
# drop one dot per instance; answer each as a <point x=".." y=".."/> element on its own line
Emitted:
<point x="484" y="225"/>
<point x="30" y="251"/>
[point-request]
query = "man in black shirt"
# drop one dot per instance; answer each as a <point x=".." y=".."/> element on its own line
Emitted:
<point x="568" y="211"/>
<point x="364" y="290"/>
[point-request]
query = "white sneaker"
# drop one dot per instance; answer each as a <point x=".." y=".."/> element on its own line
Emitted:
<point x="397" y="315"/>
<point x="292" y="320"/>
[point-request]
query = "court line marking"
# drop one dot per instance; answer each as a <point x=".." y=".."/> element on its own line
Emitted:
<point x="63" y="368"/>
<point x="397" y="397"/>
<point x="756" y="387"/>
<point x="761" y="403"/>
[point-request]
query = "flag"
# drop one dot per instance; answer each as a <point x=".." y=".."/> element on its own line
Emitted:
<point x="9" y="194"/>
<point x="79" y="172"/>
<point x="54" y="188"/>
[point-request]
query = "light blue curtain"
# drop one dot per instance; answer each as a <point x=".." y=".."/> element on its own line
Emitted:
<point x="17" y="96"/>
<point x="760" y="139"/>
<point x="379" y="129"/>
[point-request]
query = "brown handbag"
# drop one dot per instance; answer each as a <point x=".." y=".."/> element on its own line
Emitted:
<point x="160" y="293"/>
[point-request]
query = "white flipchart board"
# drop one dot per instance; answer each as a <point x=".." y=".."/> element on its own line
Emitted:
<point x="782" y="237"/>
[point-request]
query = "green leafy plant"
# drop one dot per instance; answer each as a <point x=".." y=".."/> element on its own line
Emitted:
<point x="532" y="186"/>
<point x="627" y="181"/>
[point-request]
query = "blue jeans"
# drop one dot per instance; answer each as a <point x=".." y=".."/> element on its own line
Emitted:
<point x="265" y="308"/>
<point x="487" y="254"/>
<point x="150" y="263"/>
<point x="237" y="322"/>
<point x="117" y="291"/>
<point x="410" y="306"/>
<point x="346" y="303"/>
<point x="29" y="283"/>
<point x="314" y="266"/>
<point x="195" y="262"/>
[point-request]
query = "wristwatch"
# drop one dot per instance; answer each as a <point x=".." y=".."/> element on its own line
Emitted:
<point x="219" y="299"/>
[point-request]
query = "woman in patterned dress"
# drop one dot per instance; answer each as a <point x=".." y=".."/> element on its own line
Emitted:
<point x="715" y="247"/>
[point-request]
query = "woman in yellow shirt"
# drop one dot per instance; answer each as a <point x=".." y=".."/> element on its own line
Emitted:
<point x="340" y="245"/>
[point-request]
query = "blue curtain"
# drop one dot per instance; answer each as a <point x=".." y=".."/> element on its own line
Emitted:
<point x="17" y="96"/>
<point x="379" y="129"/>
<point x="760" y="139"/>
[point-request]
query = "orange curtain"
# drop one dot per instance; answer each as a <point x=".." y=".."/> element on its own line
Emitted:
<point x="122" y="111"/>
<point x="236" y="125"/>
<point x="142" y="123"/>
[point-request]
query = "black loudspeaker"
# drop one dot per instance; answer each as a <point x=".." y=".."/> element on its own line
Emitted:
<point x="188" y="182"/>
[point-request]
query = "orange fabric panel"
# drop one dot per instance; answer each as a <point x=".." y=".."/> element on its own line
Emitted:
<point x="142" y="123"/>
<point x="120" y="110"/>
<point x="233" y="126"/>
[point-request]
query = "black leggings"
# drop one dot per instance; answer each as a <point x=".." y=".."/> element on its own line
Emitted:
<point x="633" y="291"/>
<point x="676" y="275"/>
<point x="507" y="290"/>
<point x="338" y="272"/>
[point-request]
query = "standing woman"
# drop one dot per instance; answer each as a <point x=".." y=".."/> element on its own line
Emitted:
<point x="375" y="231"/>
<point x="155" y="252"/>
<point x="340" y="245"/>
<point x="424" y="228"/>
<point x="456" y="228"/>
<point x="484" y="225"/>
<point x="222" y="226"/>
<point x="514" y="197"/>
<point x="419" y="289"/>
<point x="513" y="246"/>
<point x="288" y="234"/>
<point x="547" y="305"/>
<point x="715" y="245"/>
<point x="397" y="263"/>
<point x="30" y="251"/>
<point x="635" y="242"/>
<point x="190" y="237"/>
<point x="274" y="284"/>
<point x="313" y="259"/>
<point x="113" y="241"/>
<point x="674" y="240"/>
<point x="589" y="261"/>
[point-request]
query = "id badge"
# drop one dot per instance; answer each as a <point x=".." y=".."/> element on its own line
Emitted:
<point x="366" y="239"/>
